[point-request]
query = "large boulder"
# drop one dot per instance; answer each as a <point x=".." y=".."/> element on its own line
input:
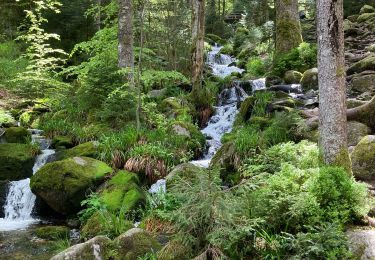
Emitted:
<point x="367" y="63"/>
<point x="88" y="149"/>
<point x="17" y="135"/>
<point x="135" y="243"/>
<point x="363" y="83"/>
<point x="292" y="77"/>
<point x="362" y="243"/>
<point x="64" y="184"/>
<point x="16" y="162"/>
<point x="363" y="159"/>
<point x="367" y="9"/>
<point x="356" y="131"/>
<point x="310" y="79"/>
<point x="96" y="248"/>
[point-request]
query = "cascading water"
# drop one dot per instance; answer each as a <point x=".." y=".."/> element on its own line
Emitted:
<point x="20" y="200"/>
<point x="225" y="112"/>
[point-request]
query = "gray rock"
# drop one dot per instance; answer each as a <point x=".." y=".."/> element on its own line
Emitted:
<point x="363" y="159"/>
<point x="158" y="93"/>
<point x="363" y="83"/>
<point x="179" y="130"/>
<point x="362" y="243"/>
<point x="356" y="131"/>
<point x="96" y="248"/>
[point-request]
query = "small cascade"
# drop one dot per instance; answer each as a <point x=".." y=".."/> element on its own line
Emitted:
<point x="220" y="63"/>
<point x="258" y="84"/>
<point x="20" y="200"/>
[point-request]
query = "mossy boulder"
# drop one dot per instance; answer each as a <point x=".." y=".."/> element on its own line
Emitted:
<point x="88" y="149"/>
<point x="246" y="108"/>
<point x="52" y="232"/>
<point x="273" y="80"/>
<point x="363" y="83"/>
<point x="99" y="247"/>
<point x="135" y="243"/>
<point x="64" y="184"/>
<point x="16" y="162"/>
<point x="292" y="77"/>
<point x="62" y="142"/>
<point x="363" y="159"/>
<point x="194" y="139"/>
<point x="365" y="17"/>
<point x="356" y="131"/>
<point x="309" y="79"/>
<point x="17" y="135"/>
<point x="367" y="9"/>
<point x="367" y="63"/>
<point x="173" y="107"/>
<point x="122" y="192"/>
<point x="185" y="171"/>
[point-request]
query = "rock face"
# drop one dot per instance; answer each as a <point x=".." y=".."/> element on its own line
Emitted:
<point x="292" y="77"/>
<point x="363" y="159"/>
<point x="310" y="79"/>
<point x="135" y="243"/>
<point x="97" y="248"/>
<point x="88" y="149"/>
<point x="356" y="131"/>
<point x="64" y="184"/>
<point x="362" y="243"/>
<point x="17" y="135"/>
<point x="16" y="162"/>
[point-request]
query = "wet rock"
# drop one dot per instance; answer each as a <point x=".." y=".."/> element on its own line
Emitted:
<point x="96" y="248"/>
<point x="310" y="79"/>
<point x="363" y="159"/>
<point x="362" y="243"/>
<point x="64" y="184"/>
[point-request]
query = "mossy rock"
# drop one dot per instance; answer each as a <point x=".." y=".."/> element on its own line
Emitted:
<point x="367" y="63"/>
<point x="226" y="161"/>
<point x="356" y="131"/>
<point x="194" y="139"/>
<point x="6" y="119"/>
<point x="123" y="193"/>
<point x="363" y="83"/>
<point x="62" y="142"/>
<point x="292" y="77"/>
<point x="309" y="79"/>
<point x="16" y="162"/>
<point x="88" y="149"/>
<point x="363" y="159"/>
<point x="273" y="80"/>
<point x="173" y="107"/>
<point x="53" y="232"/>
<point x="212" y="39"/>
<point x="99" y="247"/>
<point x="367" y="9"/>
<point x="17" y="135"/>
<point x="246" y="108"/>
<point x="63" y="185"/>
<point x="365" y="17"/>
<point x="135" y="243"/>
<point x="186" y="171"/>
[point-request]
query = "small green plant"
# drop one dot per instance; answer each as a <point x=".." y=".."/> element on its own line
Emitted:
<point x="115" y="223"/>
<point x="255" y="67"/>
<point x="61" y="244"/>
<point x="91" y="205"/>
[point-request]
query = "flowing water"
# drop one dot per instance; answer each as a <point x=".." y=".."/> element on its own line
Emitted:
<point x="20" y="200"/>
<point x="225" y="112"/>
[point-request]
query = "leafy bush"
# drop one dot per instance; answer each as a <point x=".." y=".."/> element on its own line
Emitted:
<point x="255" y="67"/>
<point x="300" y="59"/>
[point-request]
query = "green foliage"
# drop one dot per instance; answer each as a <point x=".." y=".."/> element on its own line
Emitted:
<point x="255" y="67"/>
<point x="153" y="79"/>
<point x="91" y="205"/>
<point x="300" y="59"/>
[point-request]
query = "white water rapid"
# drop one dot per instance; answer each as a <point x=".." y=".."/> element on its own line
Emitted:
<point x="20" y="200"/>
<point x="225" y="112"/>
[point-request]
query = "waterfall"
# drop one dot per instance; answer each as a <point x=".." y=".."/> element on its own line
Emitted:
<point x="219" y="63"/>
<point x="20" y="200"/>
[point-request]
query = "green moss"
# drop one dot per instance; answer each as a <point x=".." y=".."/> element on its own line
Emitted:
<point x="288" y="35"/>
<point x="17" y="135"/>
<point x="27" y="118"/>
<point x="93" y="227"/>
<point x="63" y="184"/>
<point x="52" y="232"/>
<point x="292" y="77"/>
<point x="367" y="63"/>
<point x="363" y="159"/>
<point x="365" y="17"/>
<point x="246" y="108"/>
<point x="62" y="141"/>
<point x="16" y="162"/>
<point x="88" y="149"/>
<point x="309" y="79"/>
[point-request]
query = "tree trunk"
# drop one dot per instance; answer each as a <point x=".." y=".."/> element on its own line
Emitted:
<point x="99" y="15"/>
<point x="198" y="20"/>
<point x="332" y="94"/>
<point x="125" y="35"/>
<point x="288" y="27"/>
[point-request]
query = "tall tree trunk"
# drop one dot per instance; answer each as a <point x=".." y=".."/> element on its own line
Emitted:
<point x="198" y="20"/>
<point x="332" y="94"/>
<point x="288" y="27"/>
<point x="125" y="35"/>
<point x="99" y="15"/>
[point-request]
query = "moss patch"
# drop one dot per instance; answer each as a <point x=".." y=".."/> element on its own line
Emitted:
<point x="17" y="135"/>
<point x="52" y="232"/>
<point x="16" y="162"/>
<point x="88" y="149"/>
